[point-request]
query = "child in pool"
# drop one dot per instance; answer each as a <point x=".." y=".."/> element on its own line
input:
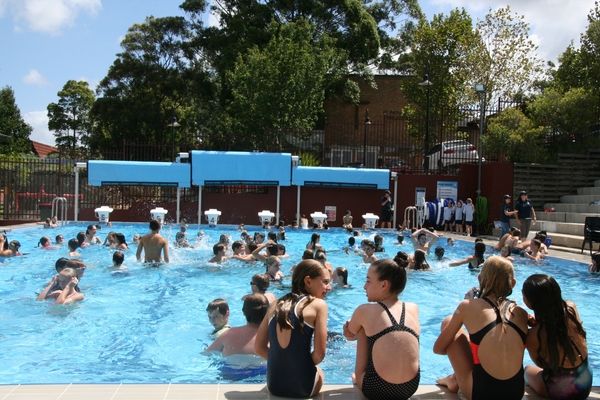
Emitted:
<point x="285" y="336"/>
<point x="387" y="355"/>
<point x="595" y="265"/>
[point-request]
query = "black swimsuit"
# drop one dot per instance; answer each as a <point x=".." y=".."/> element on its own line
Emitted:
<point x="375" y="387"/>
<point x="485" y="386"/>
<point x="291" y="371"/>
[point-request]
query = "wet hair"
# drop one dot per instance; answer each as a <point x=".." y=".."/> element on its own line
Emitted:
<point x="479" y="252"/>
<point x="218" y="304"/>
<point x="516" y="232"/>
<point x="401" y="258"/>
<point x="154" y="225"/>
<point x="388" y="270"/>
<point x="306" y="268"/>
<point x="420" y="235"/>
<point x="251" y="245"/>
<point x="61" y="264"/>
<point x="537" y="243"/>
<point x="368" y="243"/>
<point x="261" y="281"/>
<point x="280" y="248"/>
<point x="351" y="241"/>
<point x="420" y="260"/>
<point x="73" y="244"/>
<point x="553" y="316"/>
<point x="120" y="238"/>
<point x="255" y="308"/>
<point x="541" y="236"/>
<point x="314" y="239"/>
<point x="44" y="240"/>
<point x="343" y="272"/>
<point x="308" y="255"/>
<point x="439" y="252"/>
<point x="596" y="259"/>
<point x="236" y="245"/>
<point x="378" y="241"/>
<point x="320" y="256"/>
<point x="355" y="233"/>
<point x="496" y="278"/>
<point x="224" y="239"/>
<point x="478" y="240"/>
<point x="259" y="235"/>
<point x="89" y="228"/>
<point x="118" y="257"/>
<point x="272" y="249"/>
<point x="272" y="236"/>
<point x="217" y="248"/>
<point x="400" y="238"/>
<point x="59" y="238"/>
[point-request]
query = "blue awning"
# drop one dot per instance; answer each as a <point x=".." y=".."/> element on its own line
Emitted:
<point x="101" y="172"/>
<point x="341" y="177"/>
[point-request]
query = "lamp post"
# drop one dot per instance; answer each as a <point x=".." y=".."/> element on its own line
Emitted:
<point x="367" y="123"/>
<point x="174" y="124"/>
<point x="480" y="89"/>
<point x="427" y="85"/>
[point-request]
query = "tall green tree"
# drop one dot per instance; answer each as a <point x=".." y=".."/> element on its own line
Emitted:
<point x="14" y="131"/>
<point x="281" y="88"/>
<point x="69" y="118"/>
<point x="506" y="61"/>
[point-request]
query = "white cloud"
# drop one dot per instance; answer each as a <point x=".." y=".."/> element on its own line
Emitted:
<point x="47" y="16"/>
<point x="39" y="122"/>
<point x="554" y="23"/>
<point x="34" y="78"/>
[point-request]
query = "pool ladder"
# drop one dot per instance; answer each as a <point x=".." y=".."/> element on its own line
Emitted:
<point x="59" y="209"/>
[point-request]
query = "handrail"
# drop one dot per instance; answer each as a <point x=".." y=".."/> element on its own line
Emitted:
<point x="62" y="203"/>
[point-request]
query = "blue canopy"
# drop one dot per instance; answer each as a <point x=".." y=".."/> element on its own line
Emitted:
<point x="341" y="177"/>
<point x="102" y="172"/>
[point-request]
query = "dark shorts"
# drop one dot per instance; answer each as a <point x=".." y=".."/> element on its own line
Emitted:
<point x="458" y="222"/>
<point x="386" y="216"/>
<point x="469" y="223"/>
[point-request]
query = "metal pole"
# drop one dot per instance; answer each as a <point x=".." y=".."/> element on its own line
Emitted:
<point x="277" y="209"/>
<point x="298" y="207"/>
<point x="199" y="205"/>
<point x="178" y="200"/>
<point x="426" y="145"/>
<point x="76" y="211"/>
<point x="480" y="150"/>
<point x="395" y="178"/>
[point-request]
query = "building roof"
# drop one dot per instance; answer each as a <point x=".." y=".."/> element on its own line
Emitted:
<point x="42" y="150"/>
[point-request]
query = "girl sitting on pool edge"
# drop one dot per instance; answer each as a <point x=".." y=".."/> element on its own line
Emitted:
<point x="389" y="339"/>
<point x="285" y="334"/>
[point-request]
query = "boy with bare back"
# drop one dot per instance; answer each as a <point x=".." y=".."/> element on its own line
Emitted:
<point x="153" y="244"/>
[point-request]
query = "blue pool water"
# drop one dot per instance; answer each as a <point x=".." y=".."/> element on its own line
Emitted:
<point x="150" y="326"/>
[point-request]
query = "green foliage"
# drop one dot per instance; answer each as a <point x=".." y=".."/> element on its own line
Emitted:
<point x="14" y="129"/>
<point x="281" y="86"/>
<point x="515" y="135"/>
<point x="70" y="117"/>
<point x="506" y="61"/>
<point x="309" y="160"/>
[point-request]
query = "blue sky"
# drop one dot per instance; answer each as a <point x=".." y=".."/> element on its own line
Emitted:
<point x="44" y="43"/>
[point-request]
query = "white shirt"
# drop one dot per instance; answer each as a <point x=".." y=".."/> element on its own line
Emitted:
<point x="458" y="213"/>
<point x="448" y="213"/>
<point x="469" y="210"/>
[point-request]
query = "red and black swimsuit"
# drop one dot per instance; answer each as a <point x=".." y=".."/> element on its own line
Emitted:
<point x="485" y="386"/>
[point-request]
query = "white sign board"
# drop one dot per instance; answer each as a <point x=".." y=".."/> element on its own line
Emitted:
<point x="447" y="190"/>
<point x="419" y="196"/>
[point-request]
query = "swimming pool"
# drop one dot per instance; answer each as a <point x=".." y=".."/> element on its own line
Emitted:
<point x="150" y="326"/>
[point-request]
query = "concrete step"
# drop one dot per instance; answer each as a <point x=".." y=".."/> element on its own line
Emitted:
<point x="578" y="218"/>
<point x="564" y="240"/>
<point x="593" y="190"/>
<point x="558" y="227"/>
<point x="574" y="208"/>
<point x="597" y="182"/>
<point x="579" y="199"/>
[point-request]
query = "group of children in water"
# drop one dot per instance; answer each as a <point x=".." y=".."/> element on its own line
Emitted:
<point x="484" y="339"/>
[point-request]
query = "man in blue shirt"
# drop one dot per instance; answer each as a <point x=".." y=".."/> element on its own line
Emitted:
<point x="525" y="214"/>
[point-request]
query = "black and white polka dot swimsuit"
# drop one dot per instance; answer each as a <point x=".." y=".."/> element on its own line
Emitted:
<point x="374" y="387"/>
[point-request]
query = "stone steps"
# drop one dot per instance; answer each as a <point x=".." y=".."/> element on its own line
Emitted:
<point x="593" y="190"/>
<point x="574" y="208"/>
<point x="579" y="198"/>
<point x="568" y="228"/>
<point x="566" y="240"/>
<point x="572" y="217"/>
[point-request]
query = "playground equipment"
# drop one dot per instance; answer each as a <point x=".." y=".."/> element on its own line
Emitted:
<point x="370" y="220"/>
<point x="212" y="216"/>
<point x="266" y="217"/>
<point x="158" y="214"/>
<point x="103" y="214"/>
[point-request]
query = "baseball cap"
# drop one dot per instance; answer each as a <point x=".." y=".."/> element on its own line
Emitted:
<point x="506" y="196"/>
<point x="522" y="192"/>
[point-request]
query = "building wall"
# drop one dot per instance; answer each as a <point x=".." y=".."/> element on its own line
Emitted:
<point x="497" y="180"/>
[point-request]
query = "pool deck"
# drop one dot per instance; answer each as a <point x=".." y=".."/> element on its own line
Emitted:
<point x="197" y="392"/>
